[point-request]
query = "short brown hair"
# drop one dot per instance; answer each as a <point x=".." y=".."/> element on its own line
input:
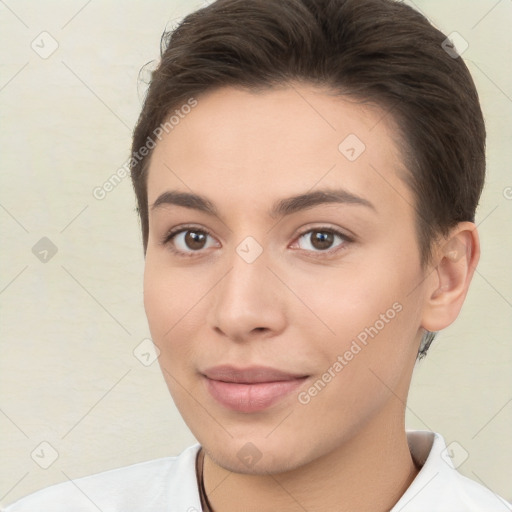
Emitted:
<point x="379" y="51"/>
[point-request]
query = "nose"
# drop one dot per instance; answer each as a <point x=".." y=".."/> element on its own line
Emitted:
<point x="248" y="302"/>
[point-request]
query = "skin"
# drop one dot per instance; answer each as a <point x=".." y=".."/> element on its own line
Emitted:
<point x="297" y="307"/>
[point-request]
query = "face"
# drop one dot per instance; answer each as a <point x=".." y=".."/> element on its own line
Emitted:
<point x="286" y="325"/>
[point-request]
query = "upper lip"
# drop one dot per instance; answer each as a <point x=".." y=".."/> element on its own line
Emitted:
<point x="249" y="375"/>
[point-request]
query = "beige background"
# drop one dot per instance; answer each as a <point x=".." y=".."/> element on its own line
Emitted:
<point x="69" y="326"/>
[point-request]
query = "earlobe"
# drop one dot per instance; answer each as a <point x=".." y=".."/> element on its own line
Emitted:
<point x="457" y="257"/>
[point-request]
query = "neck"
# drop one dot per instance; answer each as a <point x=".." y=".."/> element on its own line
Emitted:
<point x="371" y="471"/>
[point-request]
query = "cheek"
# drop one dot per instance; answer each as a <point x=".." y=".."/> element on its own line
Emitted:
<point x="351" y="300"/>
<point x="386" y="349"/>
<point x="367" y="364"/>
<point x="165" y="301"/>
<point x="174" y="301"/>
<point x="159" y="301"/>
<point x="166" y="305"/>
<point x="373" y="312"/>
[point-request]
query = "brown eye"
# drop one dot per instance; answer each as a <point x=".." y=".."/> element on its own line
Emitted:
<point x="322" y="240"/>
<point x="188" y="241"/>
<point x="195" y="239"/>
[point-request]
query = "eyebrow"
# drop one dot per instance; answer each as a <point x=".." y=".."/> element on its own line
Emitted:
<point x="280" y="208"/>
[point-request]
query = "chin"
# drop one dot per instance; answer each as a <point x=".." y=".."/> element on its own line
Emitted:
<point x="263" y="462"/>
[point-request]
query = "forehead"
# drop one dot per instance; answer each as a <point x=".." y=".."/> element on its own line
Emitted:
<point x="245" y="148"/>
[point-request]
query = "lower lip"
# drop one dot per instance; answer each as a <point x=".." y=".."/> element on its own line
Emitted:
<point x="251" y="397"/>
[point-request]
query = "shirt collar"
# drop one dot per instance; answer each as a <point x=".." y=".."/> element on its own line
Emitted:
<point x="437" y="474"/>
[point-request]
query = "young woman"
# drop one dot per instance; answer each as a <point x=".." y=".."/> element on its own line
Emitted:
<point x="307" y="174"/>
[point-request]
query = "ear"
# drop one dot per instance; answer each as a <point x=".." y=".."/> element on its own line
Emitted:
<point x="455" y="260"/>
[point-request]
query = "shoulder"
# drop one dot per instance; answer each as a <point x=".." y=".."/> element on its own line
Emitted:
<point x="477" y="497"/>
<point x="460" y="493"/>
<point x="168" y="483"/>
<point x="439" y="486"/>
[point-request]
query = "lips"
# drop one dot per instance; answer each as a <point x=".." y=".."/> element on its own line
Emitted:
<point x="250" y="389"/>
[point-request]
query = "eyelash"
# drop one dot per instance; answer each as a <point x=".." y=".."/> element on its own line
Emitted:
<point x="176" y="231"/>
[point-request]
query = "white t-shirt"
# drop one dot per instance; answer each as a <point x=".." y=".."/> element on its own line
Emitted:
<point x="169" y="485"/>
